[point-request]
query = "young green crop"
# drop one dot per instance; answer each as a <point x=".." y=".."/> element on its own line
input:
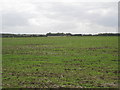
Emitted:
<point x="52" y="62"/>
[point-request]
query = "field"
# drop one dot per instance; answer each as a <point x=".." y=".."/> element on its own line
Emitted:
<point x="53" y="62"/>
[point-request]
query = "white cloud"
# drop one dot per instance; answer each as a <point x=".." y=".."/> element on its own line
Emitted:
<point x="28" y="16"/>
<point x="102" y="12"/>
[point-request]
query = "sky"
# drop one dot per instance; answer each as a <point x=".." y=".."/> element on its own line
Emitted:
<point x="73" y="16"/>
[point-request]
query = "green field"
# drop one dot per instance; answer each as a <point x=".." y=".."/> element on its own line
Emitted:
<point x="53" y="62"/>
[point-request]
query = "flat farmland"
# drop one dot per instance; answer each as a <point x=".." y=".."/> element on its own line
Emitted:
<point x="54" y="62"/>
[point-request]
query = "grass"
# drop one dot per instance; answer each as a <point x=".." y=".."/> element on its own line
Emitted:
<point x="53" y="62"/>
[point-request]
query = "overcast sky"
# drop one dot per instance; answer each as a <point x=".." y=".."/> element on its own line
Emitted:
<point x="33" y="16"/>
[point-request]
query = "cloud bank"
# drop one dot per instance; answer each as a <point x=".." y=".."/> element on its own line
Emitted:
<point x="26" y="16"/>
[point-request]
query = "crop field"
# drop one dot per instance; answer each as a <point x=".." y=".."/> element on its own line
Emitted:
<point x="54" y="62"/>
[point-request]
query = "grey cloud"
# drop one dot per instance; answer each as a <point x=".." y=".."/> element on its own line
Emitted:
<point x="66" y="17"/>
<point x="65" y="26"/>
<point x="78" y="12"/>
<point x="12" y="19"/>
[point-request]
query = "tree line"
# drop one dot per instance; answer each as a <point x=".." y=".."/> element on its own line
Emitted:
<point x="57" y="34"/>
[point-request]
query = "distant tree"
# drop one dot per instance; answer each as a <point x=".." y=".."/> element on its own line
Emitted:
<point x="68" y="34"/>
<point x="76" y="35"/>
